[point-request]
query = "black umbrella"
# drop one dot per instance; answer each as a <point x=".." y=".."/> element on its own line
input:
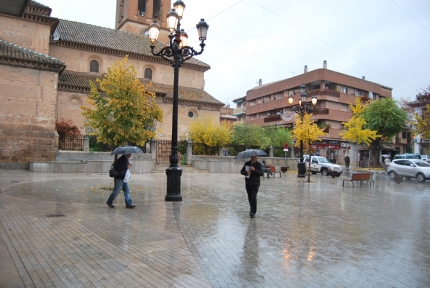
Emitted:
<point x="127" y="150"/>
<point x="249" y="153"/>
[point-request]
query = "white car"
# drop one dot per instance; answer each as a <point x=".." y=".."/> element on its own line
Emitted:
<point x="321" y="165"/>
<point x="409" y="168"/>
<point x="425" y="158"/>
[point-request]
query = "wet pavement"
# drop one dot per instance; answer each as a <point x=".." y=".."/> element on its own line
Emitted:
<point x="57" y="231"/>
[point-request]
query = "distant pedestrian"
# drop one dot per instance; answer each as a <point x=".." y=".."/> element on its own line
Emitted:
<point x="347" y="160"/>
<point x="252" y="170"/>
<point x="387" y="161"/>
<point x="121" y="165"/>
<point x="266" y="169"/>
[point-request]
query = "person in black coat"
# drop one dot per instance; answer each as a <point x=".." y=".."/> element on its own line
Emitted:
<point x="347" y="160"/>
<point x="252" y="170"/>
<point x="121" y="165"/>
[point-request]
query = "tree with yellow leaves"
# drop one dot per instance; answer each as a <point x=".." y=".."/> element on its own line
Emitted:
<point x="306" y="130"/>
<point x="122" y="109"/>
<point x="208" y="135"/>
<point x="354" y="130"/>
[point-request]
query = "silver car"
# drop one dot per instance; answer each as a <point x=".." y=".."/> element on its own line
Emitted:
<point x="425" y="158"/>
<point x="409" y="168"/>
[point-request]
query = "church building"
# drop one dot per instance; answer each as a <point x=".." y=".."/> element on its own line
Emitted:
<point x="46" y="65"/>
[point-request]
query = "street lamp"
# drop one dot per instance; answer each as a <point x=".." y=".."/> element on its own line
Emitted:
<point x="176" y="53"/>
<point x="302" y="109"/>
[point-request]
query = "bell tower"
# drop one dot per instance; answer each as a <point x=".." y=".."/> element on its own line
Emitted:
<point x="135" y="16"/>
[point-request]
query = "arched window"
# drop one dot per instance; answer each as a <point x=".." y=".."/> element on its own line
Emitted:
<point x="156" y="9"/>
<point x="94" y="66"/>
<point x="148" y="73"/>
<point x="141" y="5"/>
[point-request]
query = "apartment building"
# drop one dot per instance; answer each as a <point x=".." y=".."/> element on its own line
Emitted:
<point x="268" y="105"/>
<point x="240" y="110"/>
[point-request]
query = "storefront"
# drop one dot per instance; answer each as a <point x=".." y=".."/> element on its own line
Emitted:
<point x="328" y="150"/>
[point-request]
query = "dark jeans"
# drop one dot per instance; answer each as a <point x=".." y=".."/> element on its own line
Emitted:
<point x="120" y="184"/>
<point x="252" y="191"/>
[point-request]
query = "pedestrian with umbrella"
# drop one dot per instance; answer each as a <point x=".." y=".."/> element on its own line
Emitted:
<point x="252" y="170"/>
<point x="122" y="165"/>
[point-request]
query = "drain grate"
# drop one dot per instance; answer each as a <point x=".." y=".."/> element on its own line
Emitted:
<point x="56" y="215"/>
<point x="14" y="181"/>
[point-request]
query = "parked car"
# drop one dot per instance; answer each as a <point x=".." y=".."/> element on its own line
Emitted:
<point x="409" y="168"/>
<point x="425" y="158"/>
<point x="321" y="165"/>
<point x="407" y="156"/>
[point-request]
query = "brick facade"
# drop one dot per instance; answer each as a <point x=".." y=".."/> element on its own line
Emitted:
<point x="27" y="114"/>
<point x="45" y="74"/>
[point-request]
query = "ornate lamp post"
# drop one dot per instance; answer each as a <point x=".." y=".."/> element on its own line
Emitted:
<point x="302" y="109"/>
<point x="176" y="53"/>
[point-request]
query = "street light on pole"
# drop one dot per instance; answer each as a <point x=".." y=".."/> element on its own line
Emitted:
<point x="176" y="53"/>
<point x="302" y="109"/>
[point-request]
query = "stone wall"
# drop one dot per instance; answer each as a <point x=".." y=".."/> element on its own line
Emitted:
<point x="227" y="164"/>
<point x="27" y="114"/>
<point x="90" y="162"/>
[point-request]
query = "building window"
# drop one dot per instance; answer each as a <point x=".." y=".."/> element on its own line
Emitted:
<point x="141" y="5"/>
<point x="191" y="114"/>
<point x="94" y="66"/>
<point x="156" y="9"/>
<point x="148" y="73"/>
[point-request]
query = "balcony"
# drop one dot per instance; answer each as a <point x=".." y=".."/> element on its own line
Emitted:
<point x="320" y="111"/>
<point x="239" y="111"/>
<point x="272" y="118"/>
<point x="326" y="92"/>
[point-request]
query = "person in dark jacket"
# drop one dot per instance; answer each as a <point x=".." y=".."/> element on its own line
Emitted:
<point x="252" y="170"/>
<point x="121" y="165"/>
<point x="347" y="160"/>
<point x="266" y="169"/>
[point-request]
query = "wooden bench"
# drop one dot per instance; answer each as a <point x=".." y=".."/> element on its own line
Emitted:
<point x="363" y="176"/>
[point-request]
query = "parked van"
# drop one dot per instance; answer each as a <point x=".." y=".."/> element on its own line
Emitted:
<point x="407" y="156"/>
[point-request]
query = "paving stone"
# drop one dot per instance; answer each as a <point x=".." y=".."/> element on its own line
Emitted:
<point x="57" y="231"/>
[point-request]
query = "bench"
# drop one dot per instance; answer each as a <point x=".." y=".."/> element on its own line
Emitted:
<point x="363" y="176"/>
<point x="271" y="170"/>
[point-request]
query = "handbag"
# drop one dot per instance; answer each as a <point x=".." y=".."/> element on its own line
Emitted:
<point x="113" y="172"/>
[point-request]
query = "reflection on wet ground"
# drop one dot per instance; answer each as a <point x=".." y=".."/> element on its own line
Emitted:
<point x="304" y="234"/>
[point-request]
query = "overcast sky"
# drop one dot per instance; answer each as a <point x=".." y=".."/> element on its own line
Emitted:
<point x="387" y="41"/>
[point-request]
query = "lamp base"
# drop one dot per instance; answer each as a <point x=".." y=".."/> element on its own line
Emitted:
<point x="301" y="167"/>
<point x="173" y="184"/>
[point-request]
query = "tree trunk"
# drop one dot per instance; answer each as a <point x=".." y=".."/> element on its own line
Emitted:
<point x="374" y="153"/>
